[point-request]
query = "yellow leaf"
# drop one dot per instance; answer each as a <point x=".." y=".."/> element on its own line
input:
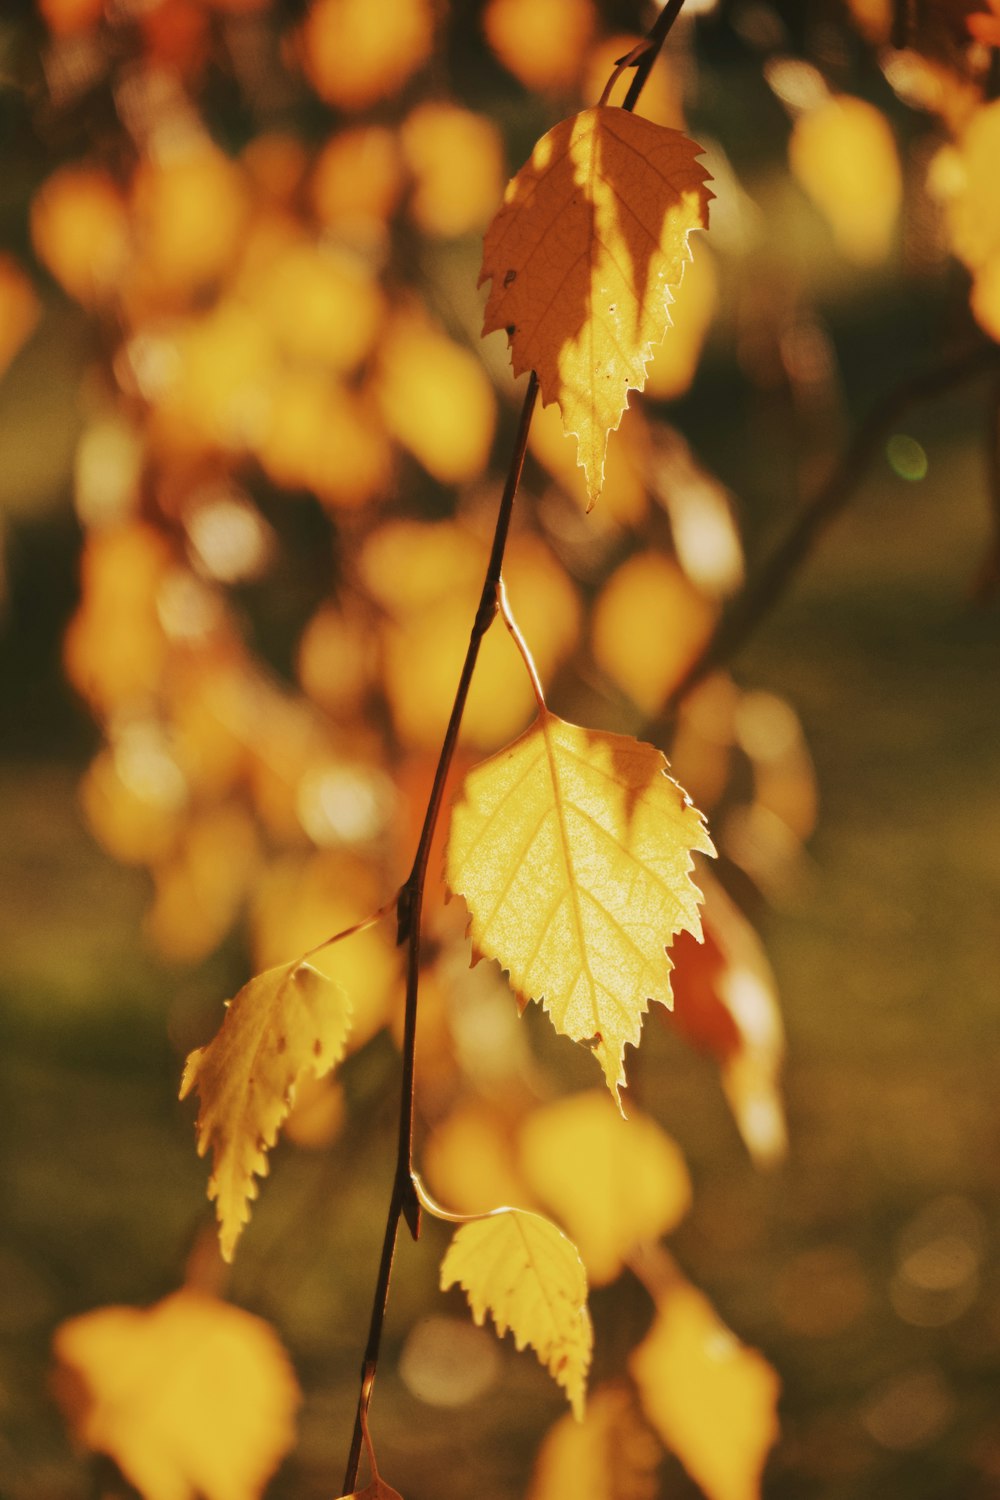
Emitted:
<point x="190" y="1397"/>
<point x="572" y="849"/>
<point x="710" y="1398"/>
<point x="610" y="1455"/>
<point x="844" y="154"/>
<point x="592" y="235"/>
<point x="521" y="1270"/>
<point x="613" y="1184"/>
<point x="284" y="1023"/>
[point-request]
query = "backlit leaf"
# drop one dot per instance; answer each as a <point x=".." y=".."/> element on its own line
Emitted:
<point x="612" y="1183"/>
<point x="572" y="849"/>
<point x="284" y="1023"/>
<point x="710" y="1398"/>
<point x="592" y="235"/>
<point x="528" y="1276"/>
<point x="190" y="1397"/>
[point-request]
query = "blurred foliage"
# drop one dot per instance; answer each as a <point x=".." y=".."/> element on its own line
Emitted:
<point x="251" y="453"/>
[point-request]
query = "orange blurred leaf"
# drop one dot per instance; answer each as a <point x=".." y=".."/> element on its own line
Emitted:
<point x="710" y="1398"/>
<point x="527" y="1275"/>
<point x="542" y="42"/>
<point x="610" y="1455"/>
<point x="572" y="849"/>
<point x="844" y="155"/>
<point x="190" y="1397"/>
<point x="725" y="1001"/>
<point x="592" y="235"/>
<point x="356" y="53"/>
<point x="284" y="1023"/>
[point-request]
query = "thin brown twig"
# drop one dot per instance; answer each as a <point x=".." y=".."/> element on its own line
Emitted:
<point x="404" y="1201"/>
<point x="832" y="497"/>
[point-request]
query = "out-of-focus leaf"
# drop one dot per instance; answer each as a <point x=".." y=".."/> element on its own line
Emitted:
<point x="457" y="163"/>
<point x="649" y="624"/>
<point x="844" y="154"/>
<point x="79" y="227"/>
<point x="355" y="53"/>
<point x="725" y="1001"/>
<point x="542" y="42"/>
<point x="612" y="1183"/>
<point x="710" y="1398"/>
<point x="610" y="1455"/>
<point x="435" y="399"/>
<point x="191" y="1397"/>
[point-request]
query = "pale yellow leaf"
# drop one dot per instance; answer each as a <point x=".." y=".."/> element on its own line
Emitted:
<point x="592" y="235"/>
<point x="527" y="1275"/>
<point x="191" y="1397"/>
<point x="610" y="1455"/>
<point x="710" y="1398"/>
<point x="572" y="849"/>
<point x="284" y="1023"/>
<point x="612" y="1183"/>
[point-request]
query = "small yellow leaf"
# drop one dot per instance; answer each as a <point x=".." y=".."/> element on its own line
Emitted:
<point x="592" y="235"/>
<point x="191" y="1397"/>
<point x="528" y="1276"/>
<point x="610" y="1455"/>
<point x="284" y="1023"/>
<point x="613" y="1184"/>
<point x="572" y="849"/>
<point x="710" y="1398"/>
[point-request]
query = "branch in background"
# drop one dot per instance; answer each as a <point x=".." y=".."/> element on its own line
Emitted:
<point x="833" y="496"/>
<point x="987" y="583"/>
